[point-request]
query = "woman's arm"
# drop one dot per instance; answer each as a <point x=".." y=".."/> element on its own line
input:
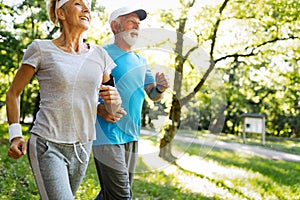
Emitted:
<point x="21" y="79"/>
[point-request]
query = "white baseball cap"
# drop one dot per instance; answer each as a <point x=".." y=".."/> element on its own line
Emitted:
<point x="127" y="10"/>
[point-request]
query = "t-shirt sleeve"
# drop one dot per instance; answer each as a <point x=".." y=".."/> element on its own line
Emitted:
<point x="149" y="79"/>
<point x="109" y="63"/>
<point x="32" y="55"/>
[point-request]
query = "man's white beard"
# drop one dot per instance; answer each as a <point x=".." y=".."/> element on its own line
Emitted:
<point x="128" y="38"/>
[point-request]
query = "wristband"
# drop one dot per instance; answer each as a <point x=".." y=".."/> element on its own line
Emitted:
<point x="14" y="130"/>
<point x="158" y="90"/>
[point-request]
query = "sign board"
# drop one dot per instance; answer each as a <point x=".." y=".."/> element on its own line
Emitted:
<point x="254" y="123"/>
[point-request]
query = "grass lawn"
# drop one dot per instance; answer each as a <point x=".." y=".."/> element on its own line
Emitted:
<point x="221" y="174"/>
<point x="244" y="176"/>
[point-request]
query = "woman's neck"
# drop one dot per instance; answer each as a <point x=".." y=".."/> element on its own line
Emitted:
<point x="71" y="43"/>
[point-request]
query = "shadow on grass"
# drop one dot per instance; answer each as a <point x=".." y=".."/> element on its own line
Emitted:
<point x="158" y="185"/>
<point x="151" y="190"/>
<point x="281" y="172"/>
<point x="277" y="179"/>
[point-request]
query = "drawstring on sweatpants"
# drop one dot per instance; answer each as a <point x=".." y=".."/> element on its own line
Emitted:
<point x="84" y="151"/>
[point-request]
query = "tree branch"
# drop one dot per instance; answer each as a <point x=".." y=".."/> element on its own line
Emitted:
<point x="216" y="27"/>
<point x="212" y="64"/>
<point x="255" y="48"/>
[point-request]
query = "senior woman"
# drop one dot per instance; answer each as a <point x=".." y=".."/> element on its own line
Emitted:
<point x="70" y="73"/>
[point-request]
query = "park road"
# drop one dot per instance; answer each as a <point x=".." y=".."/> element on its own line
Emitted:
<point x="251" y="149"/>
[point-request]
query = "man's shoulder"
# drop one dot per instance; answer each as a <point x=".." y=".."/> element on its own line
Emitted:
<point x="114" y="51"/>
<point x="109" y="47"/>
<point x="140" y="57"/>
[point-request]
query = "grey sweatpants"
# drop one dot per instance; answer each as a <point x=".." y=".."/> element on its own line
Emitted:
<point x="115" y="167"/>
<point x="56" y="167"/>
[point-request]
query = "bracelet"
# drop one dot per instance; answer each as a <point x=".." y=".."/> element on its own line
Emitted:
<point x="14" y="130"/>
<point x="158" y="90"/>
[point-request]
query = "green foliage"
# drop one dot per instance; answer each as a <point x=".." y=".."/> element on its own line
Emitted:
<point x="16" y="178"/>
<point x="257" y="83"/>
<point x="236" y="174"/>
<point x="253" y="37"/>
<point x="99" y="32"/>
<point x="28" y="19"/>
<point x="256" y="49"/>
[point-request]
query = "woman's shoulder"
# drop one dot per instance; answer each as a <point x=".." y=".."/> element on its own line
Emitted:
<point x="99" y="49"/>
<point x="41" y="42"/>
<point x="96" y="47"/>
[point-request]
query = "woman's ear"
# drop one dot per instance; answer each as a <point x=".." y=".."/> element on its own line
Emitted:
<point x="60" y="14"/>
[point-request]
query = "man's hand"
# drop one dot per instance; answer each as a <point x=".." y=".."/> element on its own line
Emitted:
<point x="113" y="118"/>
<point x="18" y="148"/>
<point x="162" y="83"/>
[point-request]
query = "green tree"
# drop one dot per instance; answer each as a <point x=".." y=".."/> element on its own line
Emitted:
<point x="257" y="82"/>
<point x="25" y="22"/>
<point x="9" y="48"/>
<point x="240" y="37"/>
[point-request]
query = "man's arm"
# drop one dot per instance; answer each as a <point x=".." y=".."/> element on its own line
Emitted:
<point x="155" y="90"/>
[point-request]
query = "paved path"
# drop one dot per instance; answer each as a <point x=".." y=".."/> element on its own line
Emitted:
<point x="255" y="150"/>
<point x="208" y="172"/>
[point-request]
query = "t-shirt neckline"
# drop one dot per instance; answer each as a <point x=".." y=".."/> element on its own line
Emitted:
<point x="62" y="51"/>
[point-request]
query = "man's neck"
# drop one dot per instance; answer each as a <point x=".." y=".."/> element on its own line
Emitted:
<point x="123" y="45"/>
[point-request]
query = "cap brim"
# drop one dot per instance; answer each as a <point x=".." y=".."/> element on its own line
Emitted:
<point x="141" y="13"/>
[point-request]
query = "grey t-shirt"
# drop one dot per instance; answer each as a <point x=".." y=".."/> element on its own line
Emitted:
<point x="68" y="90"/>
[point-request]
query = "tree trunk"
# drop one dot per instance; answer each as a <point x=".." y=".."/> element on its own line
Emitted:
<point x="166" y="151"/>
<point x="170" y="132"/>
<point x="175" y="112"/>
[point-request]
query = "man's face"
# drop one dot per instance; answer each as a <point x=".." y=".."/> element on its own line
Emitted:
<point x="129" y="22"/>
<point x="127" y="28"/>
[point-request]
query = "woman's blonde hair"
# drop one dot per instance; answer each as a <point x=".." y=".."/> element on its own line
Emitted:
<point x="51" y="11"/>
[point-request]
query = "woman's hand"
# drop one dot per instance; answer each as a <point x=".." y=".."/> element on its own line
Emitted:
<point x="110" y="95"/>
<point x="18" y="148"/>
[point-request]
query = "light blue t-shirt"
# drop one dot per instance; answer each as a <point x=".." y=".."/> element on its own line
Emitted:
<point x="131" y="75"/>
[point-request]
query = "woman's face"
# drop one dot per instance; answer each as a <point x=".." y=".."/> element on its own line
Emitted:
<point x="78" y="14"/>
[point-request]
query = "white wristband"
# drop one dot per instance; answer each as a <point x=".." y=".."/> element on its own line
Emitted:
<point x="14" y="130"/>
